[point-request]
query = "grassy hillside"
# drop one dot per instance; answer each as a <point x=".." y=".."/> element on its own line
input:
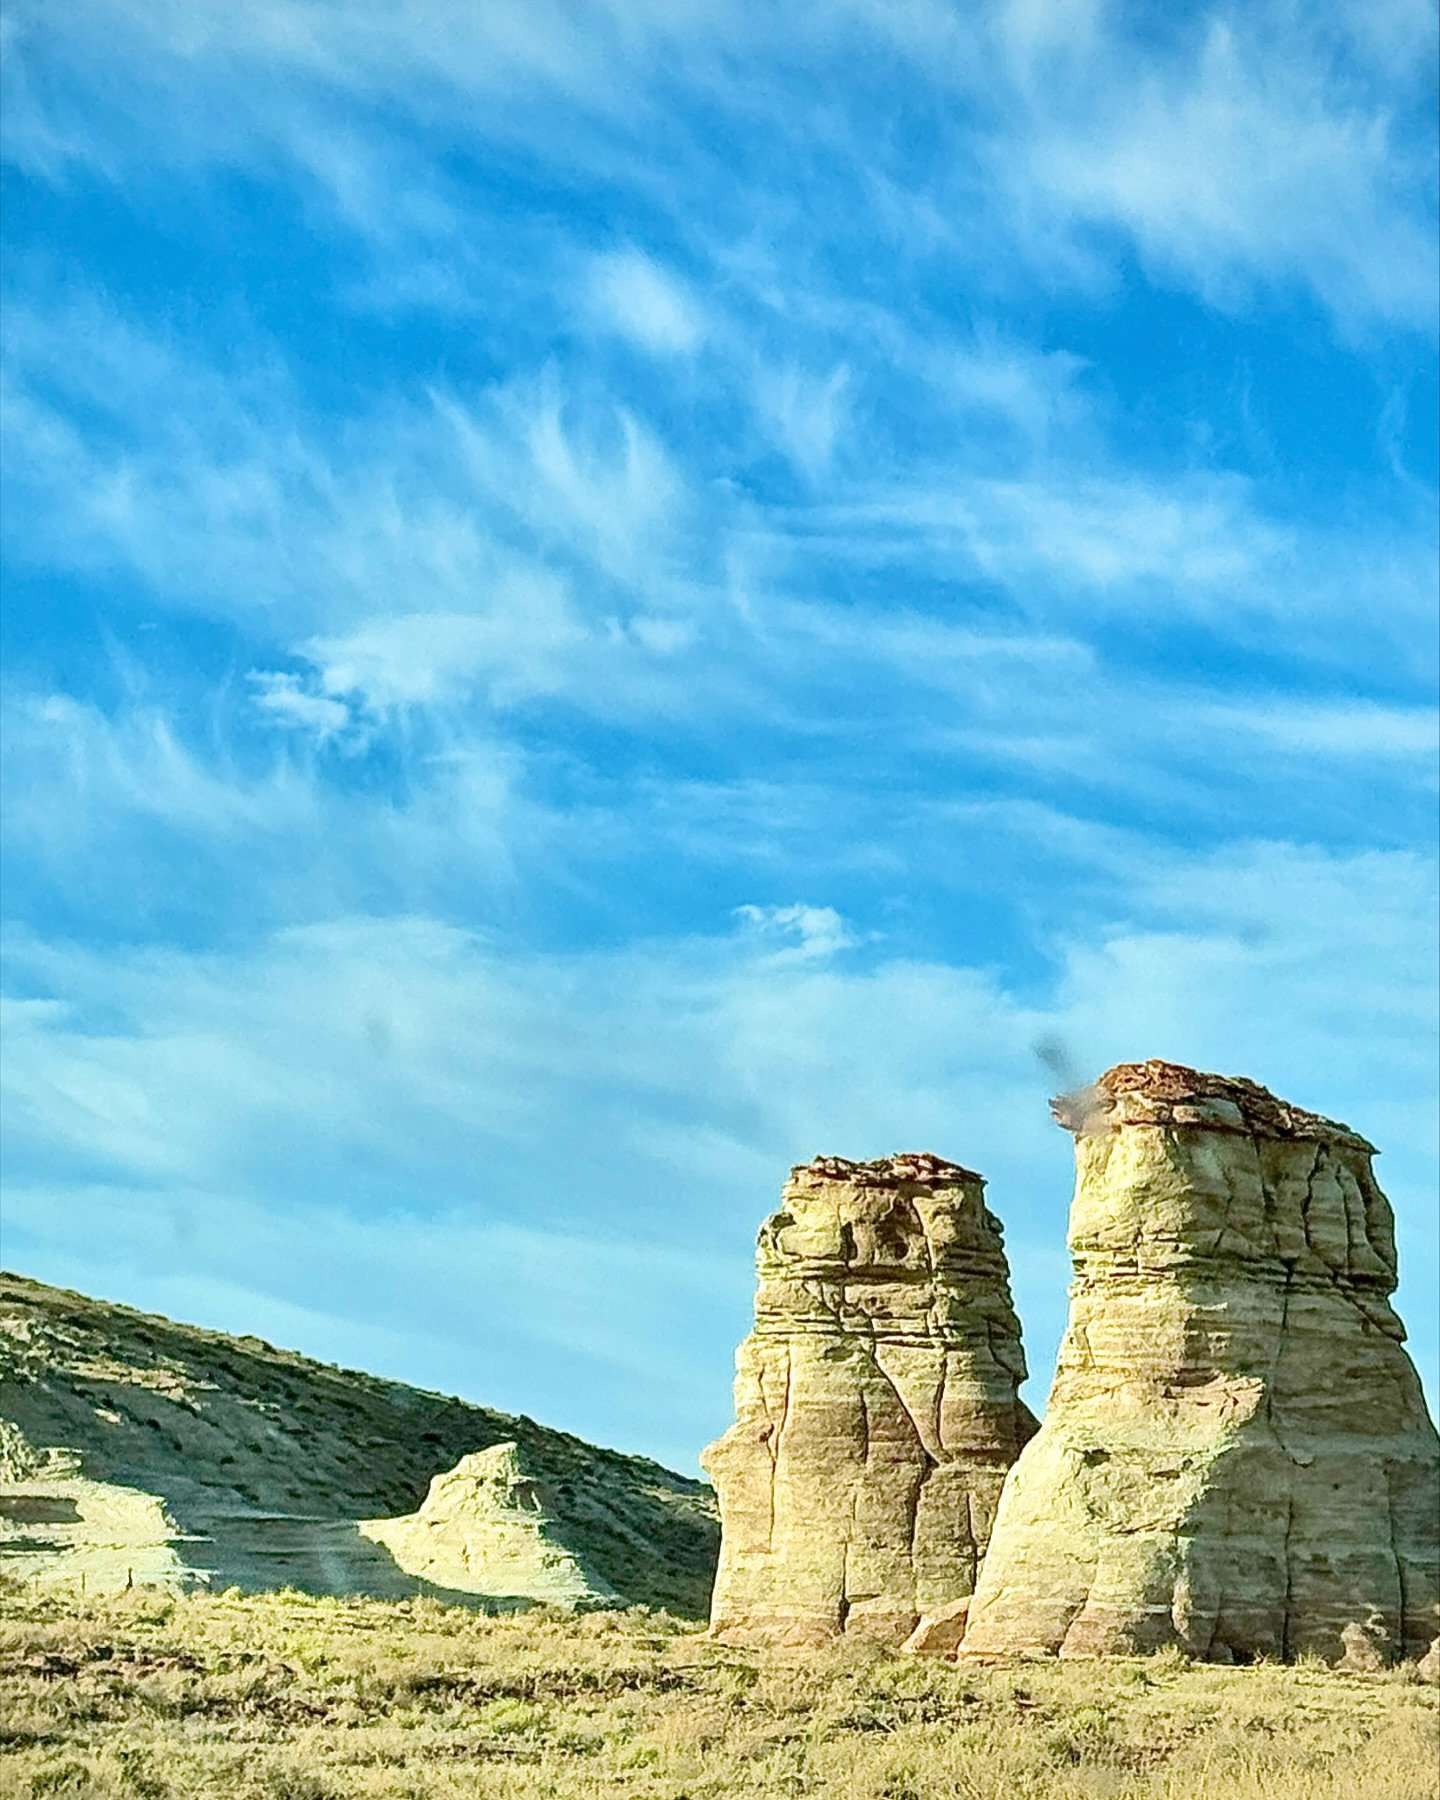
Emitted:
<point x="263" y="1459"/>
<point x="285" y="1697"/>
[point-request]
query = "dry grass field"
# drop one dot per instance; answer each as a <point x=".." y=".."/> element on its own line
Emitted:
<point x="288" y="1697"/>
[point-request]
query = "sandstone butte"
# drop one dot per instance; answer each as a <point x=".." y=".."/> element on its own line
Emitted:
<point x="1236" y="1457"/>
<point x="877" y="1407"/>
<point x="491" y="1526"/>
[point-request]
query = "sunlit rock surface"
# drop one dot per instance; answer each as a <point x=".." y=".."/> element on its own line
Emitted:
<point x="876" y="1405"/>
<point x="1236" y="1456"/>
<point x="490" y="1527"/>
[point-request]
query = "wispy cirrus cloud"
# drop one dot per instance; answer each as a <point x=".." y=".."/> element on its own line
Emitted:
<point x="230" y="498"/>
<point x="1230" y="147"/>
<point x="1245" y="150"/>
<point x="291" y="702"/>
<point x="635" y="296"/>
<point x="419" y="580"/>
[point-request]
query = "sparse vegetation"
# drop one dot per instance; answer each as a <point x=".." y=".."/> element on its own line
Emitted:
<point x="289" y="1697"/>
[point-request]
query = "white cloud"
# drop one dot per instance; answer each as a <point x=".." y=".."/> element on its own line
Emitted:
<point x="619" y="489"/>
<point x="806" y="413"/>
<point x="1243" y="156"/>
<point x="432" y="550"/>
<point x="540" y="539"/>
<point x="646" y="302"/>
<point x="1037" y="392"/>
<point x="1296" y="967"/>
<point x="289" y="701"/>
<point x="1108" y="533"/>
<point x="518" y="646"/>
<point x="95" y="804"/>
<point x="803" y="932"/>
<point x="1343" y="728"/>
<point x="1394" y="37"/>
<point x="1099" y="537"/>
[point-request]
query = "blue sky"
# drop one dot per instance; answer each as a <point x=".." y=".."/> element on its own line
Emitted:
<point x="601" y="598"/>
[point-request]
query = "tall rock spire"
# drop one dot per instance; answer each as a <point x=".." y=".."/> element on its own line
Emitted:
<point x="876" y="1405"/>
<point x="1236" y="1456"/>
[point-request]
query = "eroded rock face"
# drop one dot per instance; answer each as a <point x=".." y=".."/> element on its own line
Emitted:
<point x="876" y="1405"/>
<point x="488" y="1527"/>
<point x="1236" y="1456"/>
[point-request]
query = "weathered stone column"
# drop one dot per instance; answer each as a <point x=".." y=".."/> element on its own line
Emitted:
<point x="1236" y="1457"/>
<point x="876" y="1403"/>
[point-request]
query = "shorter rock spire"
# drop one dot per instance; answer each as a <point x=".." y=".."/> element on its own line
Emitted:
<point x="877" y="1407"/>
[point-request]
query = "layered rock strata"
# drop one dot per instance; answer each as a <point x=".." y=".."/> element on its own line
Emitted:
<point x="877" y="1407"/>
<point x="1236" y="1457"/>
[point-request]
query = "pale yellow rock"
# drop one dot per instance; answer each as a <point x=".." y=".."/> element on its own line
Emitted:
<point x="877" y="1405"/>
<point x="485" y="1528"/>
<point x="61" y="1531"/>
<point x="1365" y="1649"/>
<point x="939" y="1633"/>
<point x="1236" y="1457"/>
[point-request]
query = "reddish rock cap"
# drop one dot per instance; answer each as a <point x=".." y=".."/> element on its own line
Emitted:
<point x="1166" y="1093"/>
<point x="907" y="1168"/>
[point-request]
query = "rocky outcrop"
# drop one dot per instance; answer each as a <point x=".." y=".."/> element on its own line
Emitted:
<point x="1236" y="1457"/>
<point x="489" y="1527"/>
<point x="939" y="1632"/>
<point x="876" y="1405"/>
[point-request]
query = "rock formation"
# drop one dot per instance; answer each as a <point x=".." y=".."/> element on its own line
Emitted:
<point x="1236" y="1457"/>
<point x="488" y="1527"/>
<point x="876" y="1404"/>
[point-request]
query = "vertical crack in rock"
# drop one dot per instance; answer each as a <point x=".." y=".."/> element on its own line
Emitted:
<point x="1237" y="1456"/>
<point x="1271" y="1417"/>
<point x="1308" y="1202"/>
<point x="1287" y="1612"/>
<point x="883" y="1290"/>
<point x="1395" y="1551"/>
